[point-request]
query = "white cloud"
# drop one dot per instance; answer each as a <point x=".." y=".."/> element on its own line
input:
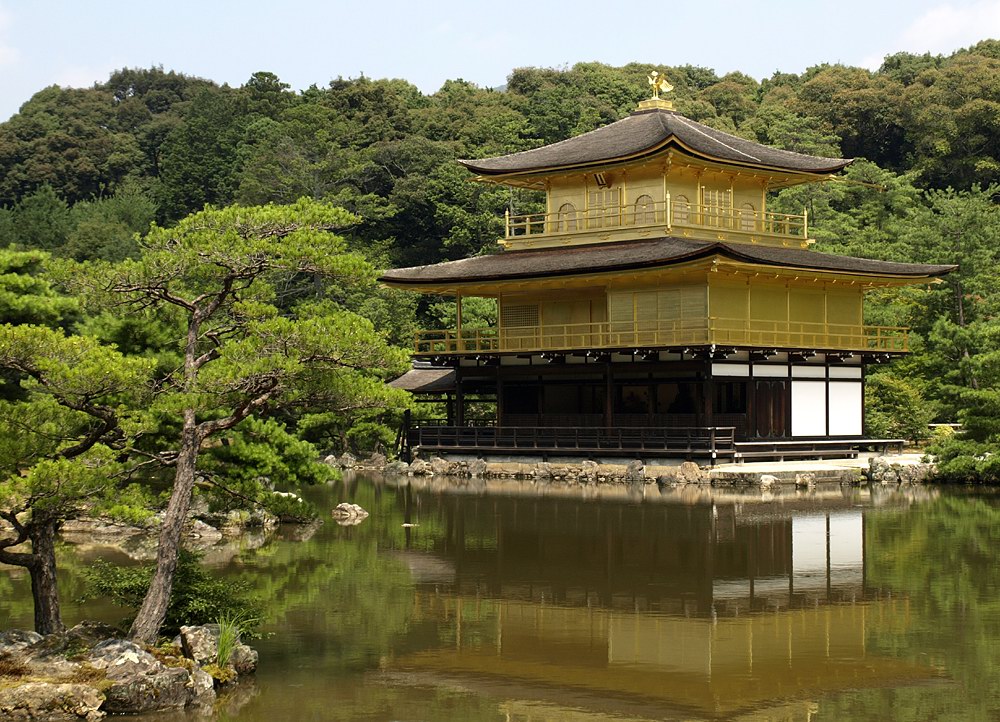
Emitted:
<point x="943" y="29"/>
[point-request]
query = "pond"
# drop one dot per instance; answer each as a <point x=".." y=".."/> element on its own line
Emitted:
<point x="509" y="601"/>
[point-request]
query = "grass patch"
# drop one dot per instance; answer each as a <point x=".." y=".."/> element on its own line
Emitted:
<point x="231" y="627"/>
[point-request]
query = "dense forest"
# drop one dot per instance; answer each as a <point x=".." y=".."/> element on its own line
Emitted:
<point x="101" y="187"/>
<point x="188" y="303"/>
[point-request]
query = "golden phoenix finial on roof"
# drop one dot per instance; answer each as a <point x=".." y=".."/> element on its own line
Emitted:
<point x="659" y="84"/>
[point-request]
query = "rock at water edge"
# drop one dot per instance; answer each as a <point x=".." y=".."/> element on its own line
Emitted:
<point x="42" y="701"/>
<point x="635" y="472"/>
<point x="200" y="643"/>
<point x="145" y="693"/>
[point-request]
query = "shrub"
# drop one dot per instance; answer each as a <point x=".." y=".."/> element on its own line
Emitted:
<point x="894" y="408"/>
<point x="289" y="508"/>
<point x="964" y="461"/>
<point x="197" y="597"/>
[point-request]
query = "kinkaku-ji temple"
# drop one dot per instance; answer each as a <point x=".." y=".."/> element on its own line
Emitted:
<point x="656" y="308"/>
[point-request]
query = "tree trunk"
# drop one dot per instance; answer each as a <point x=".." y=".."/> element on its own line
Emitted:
<point x="42" y="570"/>
<point x="153" y="611"/>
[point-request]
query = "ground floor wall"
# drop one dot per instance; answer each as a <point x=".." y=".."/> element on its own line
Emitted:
<point x="779" y="397"/>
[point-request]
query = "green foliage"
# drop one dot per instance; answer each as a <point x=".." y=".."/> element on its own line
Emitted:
<point x="132" y="505"/>
<point x="895" y="409"/>
<point x="198" y="157"/>
<point x="197" y="597"/>
<point x="58" y="432"/>
<point x="256" y="457"/>
<point x="41" y="220"/>
<point x="26" y="296"/>
<point x="367" y="436"/>
<point x="107" y="229"/>
<point x="965" y="461"/>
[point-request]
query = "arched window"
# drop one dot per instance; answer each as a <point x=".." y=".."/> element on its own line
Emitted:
<point x="682" y="210"/>
<point x="645" y="211"/>
<point x="748" y="217"/>
<point x="566" y="218"/>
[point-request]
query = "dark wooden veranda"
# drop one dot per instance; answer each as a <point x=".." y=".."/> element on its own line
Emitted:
<point x="692" y="442"/>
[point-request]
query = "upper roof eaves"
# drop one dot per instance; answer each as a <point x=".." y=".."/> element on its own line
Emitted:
<point x="646" y="132"/>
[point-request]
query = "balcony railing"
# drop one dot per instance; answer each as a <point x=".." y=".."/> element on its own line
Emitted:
<point x="685" y="442"/>
<point x="660" y="334"/>
<point x="668" y="213"/>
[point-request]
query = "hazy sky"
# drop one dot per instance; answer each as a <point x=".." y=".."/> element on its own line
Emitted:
<point x="305" y="42"/>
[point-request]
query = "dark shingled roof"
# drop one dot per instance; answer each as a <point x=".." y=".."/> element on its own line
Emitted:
<point x="644" y="133"/>
<point x="627" y="255"/>
<point x="426" y="380"/>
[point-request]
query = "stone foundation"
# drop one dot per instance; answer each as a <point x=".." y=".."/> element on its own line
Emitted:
<point x="881" y="470"/>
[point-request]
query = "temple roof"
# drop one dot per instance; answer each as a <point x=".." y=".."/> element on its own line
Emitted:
<point x="645" y="133"/>
<point x="643" y="254"/>
<point x="425" y="379"/>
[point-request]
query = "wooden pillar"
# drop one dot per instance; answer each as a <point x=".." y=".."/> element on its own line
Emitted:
<point x="609" y="406"/>
<point x="459" y="398"/>
<point x="458" y="316"/>
<point x="704" y="407"/>
<point x="499" y="397"/>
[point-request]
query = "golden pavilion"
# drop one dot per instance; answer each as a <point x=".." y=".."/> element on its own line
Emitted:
<point x="657" y="308"/>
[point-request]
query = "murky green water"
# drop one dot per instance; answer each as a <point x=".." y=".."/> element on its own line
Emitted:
<point x="512" y="603"/>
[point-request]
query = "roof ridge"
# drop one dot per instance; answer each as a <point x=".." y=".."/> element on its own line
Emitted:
<point x="548" y="145"/>
<point x="693" y="126"/>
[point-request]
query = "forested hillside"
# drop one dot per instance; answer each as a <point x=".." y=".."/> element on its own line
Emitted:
<point x="83" y="171"/>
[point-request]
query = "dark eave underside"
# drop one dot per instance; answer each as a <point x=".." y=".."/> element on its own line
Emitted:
<point x="645" y="254"/>
<point x="646" y="132"/>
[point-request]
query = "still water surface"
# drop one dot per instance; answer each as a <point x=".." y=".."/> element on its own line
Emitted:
<point x="510" y="602"/>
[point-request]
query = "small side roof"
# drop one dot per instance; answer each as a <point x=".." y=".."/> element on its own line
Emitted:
<point x="642" y="254"/>
<point x="645" y="133"/>
<point x="422" y="379"/>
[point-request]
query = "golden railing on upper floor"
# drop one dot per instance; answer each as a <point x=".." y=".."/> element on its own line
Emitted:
<point x="711" y="219"/>
<point x="662" y="334"/>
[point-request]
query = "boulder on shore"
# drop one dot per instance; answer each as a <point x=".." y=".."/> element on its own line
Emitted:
<point x="882" y="470"/>
<point x="347" y="514"/>
<point x="51" y="701"/>
<point x="635" y="472"/>
<point x="70" y="676"/>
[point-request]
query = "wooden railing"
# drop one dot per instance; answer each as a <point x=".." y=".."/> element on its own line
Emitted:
<point x="703" y="441"/>
<point x="668" y="213"/>
<point x="659" y="334"/>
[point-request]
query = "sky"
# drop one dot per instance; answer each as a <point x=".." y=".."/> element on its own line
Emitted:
<point x="77" y="43"/>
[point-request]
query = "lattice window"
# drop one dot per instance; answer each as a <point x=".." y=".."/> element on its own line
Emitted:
<point x="604" y="207"/>
<point x="718" y="207"/>
<point x="748" y="217"/>
<point x="519" y="316"/>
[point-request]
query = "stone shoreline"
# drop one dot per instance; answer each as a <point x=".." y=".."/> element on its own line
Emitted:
<point x="885" y="470"/>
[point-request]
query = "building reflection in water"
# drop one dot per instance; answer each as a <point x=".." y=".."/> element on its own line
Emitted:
<point x="717" y="608"/>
